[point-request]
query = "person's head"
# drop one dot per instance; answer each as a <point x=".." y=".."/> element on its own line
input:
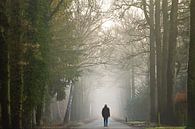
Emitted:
<point x="105" y="105"/>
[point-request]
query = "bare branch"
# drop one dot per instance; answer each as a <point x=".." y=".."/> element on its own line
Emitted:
<point x="56" y="9"/>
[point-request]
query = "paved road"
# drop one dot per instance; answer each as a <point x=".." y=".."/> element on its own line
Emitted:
<point x="98" y="124"/>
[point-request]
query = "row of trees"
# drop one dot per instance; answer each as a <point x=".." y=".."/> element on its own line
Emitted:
<point x="45" y="46"/>
<point x="27" y="67"/>
<point x="166" y="49"/>
<point x="166" y="26"/>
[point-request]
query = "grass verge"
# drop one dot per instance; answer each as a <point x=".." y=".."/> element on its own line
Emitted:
<point x="166" y="128"/>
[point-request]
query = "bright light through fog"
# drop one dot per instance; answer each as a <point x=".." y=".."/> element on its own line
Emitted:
<point x="106" y="89"/>
<point x="108" y="24"/>
<point x="109" y="96"/>
<point x="106" y="4"/>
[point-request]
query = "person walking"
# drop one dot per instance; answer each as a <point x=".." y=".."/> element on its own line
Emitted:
<point x="105" y="115"/>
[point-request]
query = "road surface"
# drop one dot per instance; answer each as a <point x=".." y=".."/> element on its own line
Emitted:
<point x="98" y="124"/>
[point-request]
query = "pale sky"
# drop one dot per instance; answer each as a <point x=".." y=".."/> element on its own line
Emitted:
<point x="106" y="4"/>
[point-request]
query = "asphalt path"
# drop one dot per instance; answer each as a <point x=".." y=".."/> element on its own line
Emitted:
<point x="112" y="124"/>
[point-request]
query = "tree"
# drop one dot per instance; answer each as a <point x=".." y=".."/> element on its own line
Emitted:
<point x="171" y="61"/>
<point x="69" y="105"/>
<point x="158" y="55"/>
<point x="165" y="66"/>
<point x="17" y="38"/>
<point x="153" y="95"/>
<point x="191" y="71"/>
<point x="37" y="74"/>
<point x="4" y="66"/>
<point x="164" y="57"/>
<point x="72" y="27"/>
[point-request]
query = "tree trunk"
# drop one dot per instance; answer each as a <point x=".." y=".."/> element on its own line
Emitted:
<point x="69" y="106"/>
<point x="73" y="115"/>
<point x="164" y="56"/>
<point x="132" y="75"/>
<point x="29" y="104"/>
<point x="27" y="118"/>
<point x="153" y="112"/>
<point x="171" y="61"/>
<point x="39" y="114"/>
<point x="158" y="56"/>
<point x="4" y="69"/>
<point x="16" y="67"/>
<point x="191" y="71"/>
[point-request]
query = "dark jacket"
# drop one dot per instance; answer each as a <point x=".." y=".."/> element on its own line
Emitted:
<point x="106" y="112"/>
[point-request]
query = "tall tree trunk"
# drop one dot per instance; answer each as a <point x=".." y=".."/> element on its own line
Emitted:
<point x="16" y="67"/>
<point x="164" y="56"/>
<point x="153" y="111"/>
<point x="171" y="61"/>
<point x="29" y="104"/>
<point x="132" y="75"/>
<point x="4" y="72"/>
<point x="39" y="108"/>
<point x="73" y="113"/>
<point x="27" y="117"/>
<point x="133" y="82"/>
<point x="159" y="58"/>
<point x="39" y="114"/>
<point x="191" y="71"/>
<point x="69" y="105"/>
<point x="158" y="55"/>
<point x="150" y="21"/>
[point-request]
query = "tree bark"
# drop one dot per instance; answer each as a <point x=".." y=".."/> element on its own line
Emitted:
<point x="39" y="114"/>
<point x="69" y="106"/>
<point x="191" y="71"/>
<point x="150" y="21"/>
<point x="74" y="112"/>
<point x="4" y="68"/>
<point x="153" y="112"/>
<point x="164" y="58"/>
<point x="171" y="61"/>
<point x="16" y="67"/>
<point x="158" y="56"/>
<point x="132" y="75"/>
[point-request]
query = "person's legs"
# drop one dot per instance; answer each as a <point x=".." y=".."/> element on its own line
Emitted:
<point x="104" y="121"/>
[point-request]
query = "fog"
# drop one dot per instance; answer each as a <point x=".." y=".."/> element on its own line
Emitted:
<point x="107" y="89"/>
<point x="63" y="60"/>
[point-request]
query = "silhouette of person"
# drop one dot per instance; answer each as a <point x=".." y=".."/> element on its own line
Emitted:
<point x="105" y="114"/>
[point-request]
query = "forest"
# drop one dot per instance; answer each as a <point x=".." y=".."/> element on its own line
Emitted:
<point x="62" y="60"/>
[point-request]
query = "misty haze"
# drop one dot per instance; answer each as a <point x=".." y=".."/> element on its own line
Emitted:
<point x="125" y="64"/>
